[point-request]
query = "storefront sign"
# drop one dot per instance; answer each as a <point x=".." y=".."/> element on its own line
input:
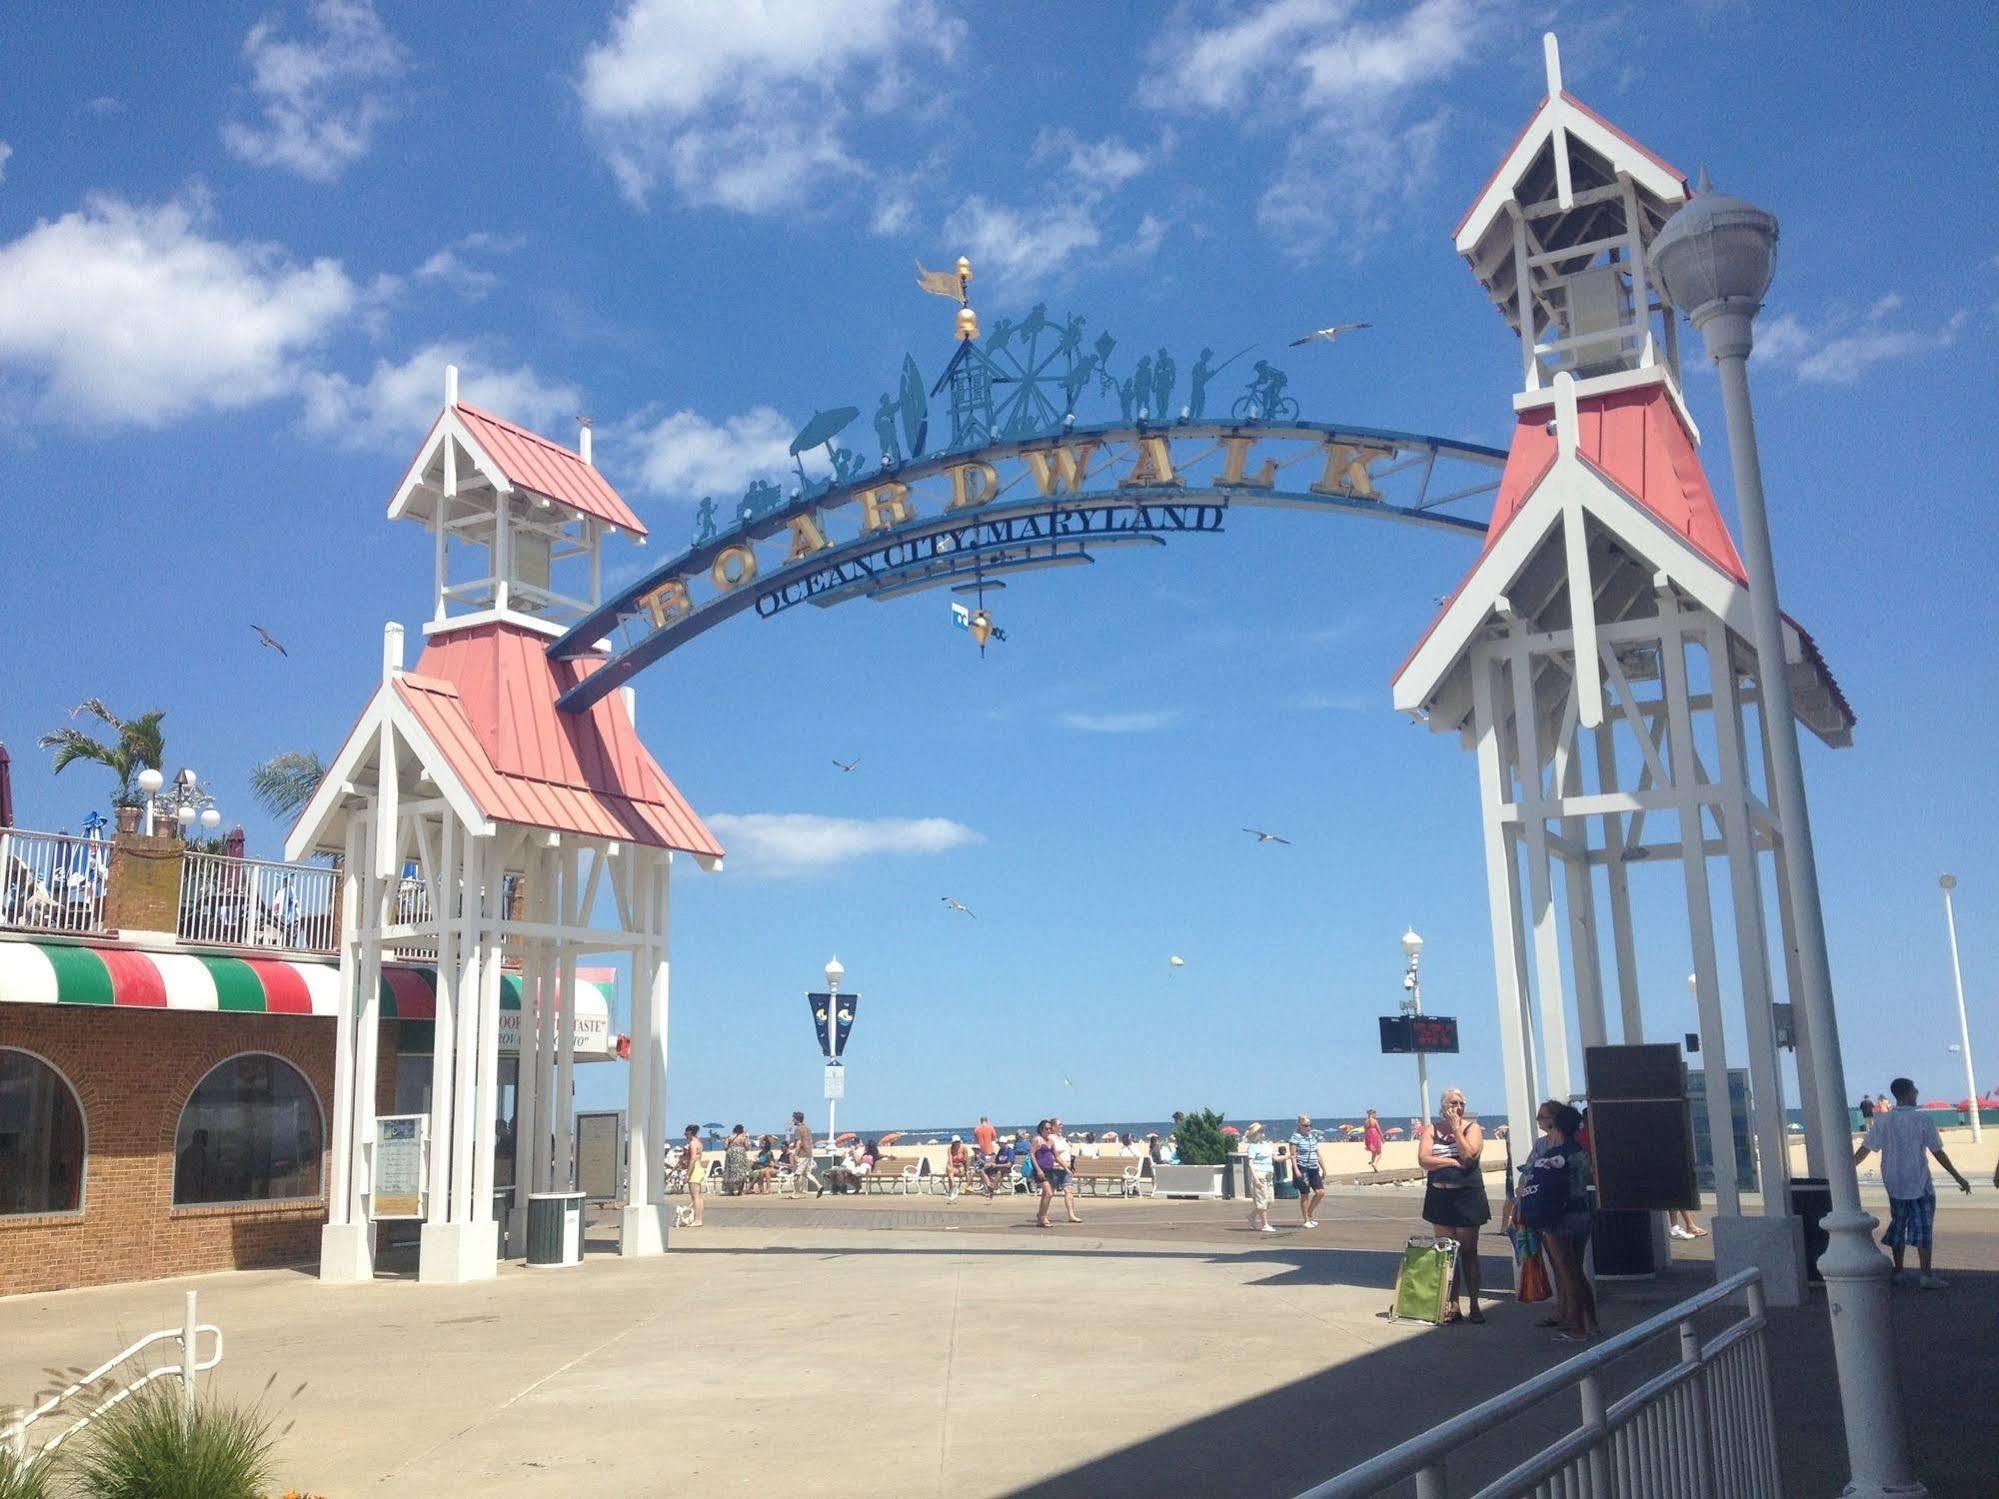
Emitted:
<point x="396" y="1183"/>
<point x="593" y="1033"/>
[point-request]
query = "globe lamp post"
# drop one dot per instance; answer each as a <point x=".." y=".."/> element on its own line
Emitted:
<point x="1715" y="258"/>
<point x="1412" y="1004"/>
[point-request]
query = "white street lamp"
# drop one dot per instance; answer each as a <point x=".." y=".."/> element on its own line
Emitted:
<point x="1715" y="258"/>
<point x="1948" y="883"/>
<point x="834" y="973"/>
<point x="150" y="781"/>
<point x="1412" y="1004"/>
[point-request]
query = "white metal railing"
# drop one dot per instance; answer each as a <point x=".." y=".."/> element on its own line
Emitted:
<point x="412" y="906"/>
<point x="256" y="903"/>
<point x="52" y="882"/>
<point x="187" y="1335"/>
<point x="1704" y="1428"/>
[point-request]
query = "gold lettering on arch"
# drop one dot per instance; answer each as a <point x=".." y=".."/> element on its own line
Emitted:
<point x="884" y="506"/>
<point x="734" y="566"/>
<point x="807" y="537"/>
<point x="1234" y="466"/>
<point x="965" y="494"/>
<point x="667" y="602"/>
<point x="1061" y="467"/>
<point x="1154" y="465"/>
<point x="1346" y="470"/>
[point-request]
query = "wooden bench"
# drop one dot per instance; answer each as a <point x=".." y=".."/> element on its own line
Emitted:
<point x="1126" y="1173"/>
<point x="896" y="1174"/>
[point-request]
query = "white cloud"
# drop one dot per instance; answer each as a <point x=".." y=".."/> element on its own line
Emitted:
<point x="1846" y="346"/>
<point x="684" y="455"/>
<point x="105" y="105"/>
<point x="394" y="406"/>
<point x="746" y="106"/>
<point x="121" y="314"/>
<point x="321" y="99"/>
<point x="792" y="843"/>
<point x="1122" y="723"/>
<point x="1341" y="87"/>
<point x="454" y="267"/>
<point x="5" y="152"/>
<point x="1021" y="245"/>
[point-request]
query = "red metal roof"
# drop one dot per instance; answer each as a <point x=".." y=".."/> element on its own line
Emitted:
<point x="533" y="463"/>
<point x="487" y="696"/>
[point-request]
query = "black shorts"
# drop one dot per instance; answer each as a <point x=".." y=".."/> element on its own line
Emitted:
<point x="1314" y="1179"/>
<point x="1456" y="1207"/>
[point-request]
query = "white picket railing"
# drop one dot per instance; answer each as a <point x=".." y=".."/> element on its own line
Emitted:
<point x="52" y="882"/>
<point x="188" y="1335"/>
<point x="1704" y="1429"/>
<point x="256" y="903"/>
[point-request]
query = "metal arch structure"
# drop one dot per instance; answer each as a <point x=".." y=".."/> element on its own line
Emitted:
<point x="1024" y="486"/>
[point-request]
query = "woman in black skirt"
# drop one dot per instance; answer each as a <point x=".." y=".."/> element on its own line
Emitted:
<point x="1454" y="1202"/>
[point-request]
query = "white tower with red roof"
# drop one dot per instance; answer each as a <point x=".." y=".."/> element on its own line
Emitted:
<point x="1598" y="658"/>
<point x="480" y="823"/>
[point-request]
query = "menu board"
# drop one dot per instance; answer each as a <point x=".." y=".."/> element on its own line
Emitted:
<point x="396" y="1186"/>
<point x="598" y="1137"/>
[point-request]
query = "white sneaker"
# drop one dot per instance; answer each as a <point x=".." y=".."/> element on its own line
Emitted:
<point x="1311" y="1223"/>
<point x="1932" y="1283"/>
<point x="1267" y="1229"/>
<point x="1680" y="1233"/>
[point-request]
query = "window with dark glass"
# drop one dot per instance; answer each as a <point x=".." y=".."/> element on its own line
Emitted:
<point x="41" y="1138"/>
<point x="250" y="1132"/>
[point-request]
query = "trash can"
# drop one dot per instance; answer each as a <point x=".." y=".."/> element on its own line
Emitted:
<point x="1811" y="1200"/>
<point x="1235" y="1176"/>
<point x="1287" y="1180"/>
<point x="555" y="1228"/>
<point x="503" y="1212"/>
<point x="1621" y="1244"/>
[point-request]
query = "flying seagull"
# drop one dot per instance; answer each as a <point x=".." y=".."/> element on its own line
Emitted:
<point x="264" y="635"/>
<point x="957" y="906"/>
<point x="1176" y="962"/>
<point x="1330" y="335"/>
<point x="847" y="766"/>
<point x="1263" y="837"/>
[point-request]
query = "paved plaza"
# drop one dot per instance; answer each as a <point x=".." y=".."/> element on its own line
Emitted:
<point x="891" y="1346"/>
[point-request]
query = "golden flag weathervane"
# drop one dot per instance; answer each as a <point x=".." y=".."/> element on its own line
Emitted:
<point x="956" y="285"/>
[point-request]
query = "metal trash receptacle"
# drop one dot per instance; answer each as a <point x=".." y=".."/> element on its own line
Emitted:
<point x="503" y="1213"/>
<point x="1286" y="1178"/>
<point x="555" y="1228"/>
<point x="1811" y="1200"/>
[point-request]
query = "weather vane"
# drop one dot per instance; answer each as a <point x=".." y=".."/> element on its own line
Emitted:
<point x="956" y="285"/>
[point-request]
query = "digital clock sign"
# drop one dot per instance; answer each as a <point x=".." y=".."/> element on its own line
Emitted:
<point x="1419" y="1033"/>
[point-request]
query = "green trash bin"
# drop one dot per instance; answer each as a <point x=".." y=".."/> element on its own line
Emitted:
<point x="1287" y="1183"/>
<point x="555" y="1228"/>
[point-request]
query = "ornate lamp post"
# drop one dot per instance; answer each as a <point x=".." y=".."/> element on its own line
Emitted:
<point x="1715" y="258"/>
<point x="1948" y="883"/>
<point x="186" y="803"/>
<point x="1412" y="1004"/>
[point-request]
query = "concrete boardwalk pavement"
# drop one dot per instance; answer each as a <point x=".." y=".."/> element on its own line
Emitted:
<point x="914" y="1347"/>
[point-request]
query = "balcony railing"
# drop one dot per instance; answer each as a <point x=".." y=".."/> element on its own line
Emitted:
<point x="256" y="903"/>
<point x="51" y="882"/>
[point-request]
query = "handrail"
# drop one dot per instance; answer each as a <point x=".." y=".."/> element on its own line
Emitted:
<point x="188" y="1335"/>
<point x="1427" y="1449"/>
<point x="231" y="901"/>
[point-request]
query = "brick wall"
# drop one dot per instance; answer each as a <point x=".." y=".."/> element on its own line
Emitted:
<point x="133" y="1069"/>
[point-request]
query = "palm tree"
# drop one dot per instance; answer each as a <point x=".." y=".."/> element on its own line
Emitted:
<point x="137" y="744"/>
<point x="283" y="784"/>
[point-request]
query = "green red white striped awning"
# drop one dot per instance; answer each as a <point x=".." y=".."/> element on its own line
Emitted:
<point x="57" y="973"/>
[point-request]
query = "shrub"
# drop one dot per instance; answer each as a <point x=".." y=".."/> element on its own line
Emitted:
<point x="146" y="1448"/>
<point x="28" y="1478"/>
<point x="1198" y="1136"/>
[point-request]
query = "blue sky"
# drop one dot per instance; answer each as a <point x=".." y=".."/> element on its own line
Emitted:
<point x="238" y="243"/>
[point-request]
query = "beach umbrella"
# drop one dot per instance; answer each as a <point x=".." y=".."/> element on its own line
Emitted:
<point x="1948" y="1108"/>
<point x="893" y="1135"/>
<point x="848" y="1138"/>
<point x="1393" y="1132"/>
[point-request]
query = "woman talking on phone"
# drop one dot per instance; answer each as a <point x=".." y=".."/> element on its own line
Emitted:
<point x="1454" y="1202"/>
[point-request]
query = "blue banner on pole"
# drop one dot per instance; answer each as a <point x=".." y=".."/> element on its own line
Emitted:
<point x="822" y="1021"/>
<point x="843" y="1021"/>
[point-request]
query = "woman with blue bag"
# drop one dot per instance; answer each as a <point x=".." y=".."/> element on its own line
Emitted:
<point x="1553" y="1200"/>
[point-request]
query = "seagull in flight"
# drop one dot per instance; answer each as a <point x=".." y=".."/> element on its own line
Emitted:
<point x="847" y="767"/>
<point x="264" y="635"/>
<point x="1263" y="837"/>
<point x="1330" y="335"/>
<point x="958" y="906"/>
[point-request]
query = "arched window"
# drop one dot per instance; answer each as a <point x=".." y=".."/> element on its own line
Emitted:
<point x="41" y="1137"/>
<point x="251" y="1132"/>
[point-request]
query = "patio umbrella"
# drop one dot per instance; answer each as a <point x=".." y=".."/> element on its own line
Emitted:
<point x="6" y="789"/>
